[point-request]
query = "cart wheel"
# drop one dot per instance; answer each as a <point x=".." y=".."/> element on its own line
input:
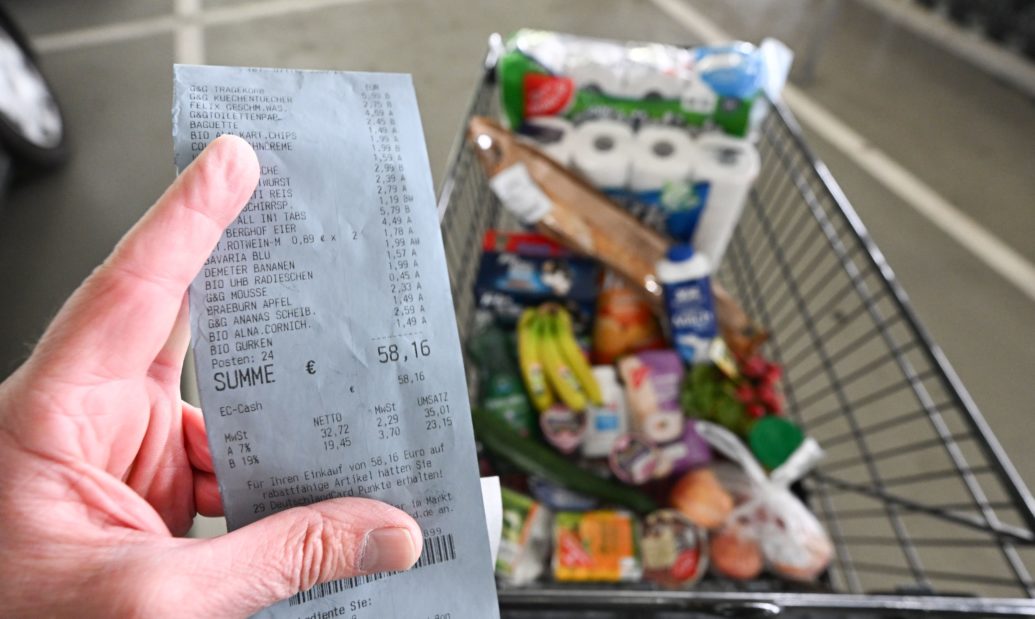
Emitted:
<point x="32" y="128"/>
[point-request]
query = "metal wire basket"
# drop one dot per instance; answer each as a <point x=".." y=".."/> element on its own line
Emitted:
<point x="925" y="510"/>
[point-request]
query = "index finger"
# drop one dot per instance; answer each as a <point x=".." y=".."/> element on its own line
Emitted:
<point x="118" y="320"/>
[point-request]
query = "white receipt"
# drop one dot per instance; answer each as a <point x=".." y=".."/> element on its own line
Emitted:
<point x="493" y="499"/>
<point x="326" y="346"/>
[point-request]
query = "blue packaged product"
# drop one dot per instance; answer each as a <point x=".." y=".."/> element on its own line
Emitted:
<point x="507" y="283"/>
<point x="684" y="275"/>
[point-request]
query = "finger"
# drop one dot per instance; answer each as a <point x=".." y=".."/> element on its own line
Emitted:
<point x="276" y="557"/>
<point x="119" y="319"/>
<point x="206" y="495"/>
<point x="196" y="439"/>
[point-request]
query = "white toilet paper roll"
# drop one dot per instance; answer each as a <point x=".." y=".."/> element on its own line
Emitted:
<point x="663" y="426"/>
<point x="661" y="155"/>
<point x="729" y="165"/>
<point x="602" y="152"/>
<point x="550" y="134"/>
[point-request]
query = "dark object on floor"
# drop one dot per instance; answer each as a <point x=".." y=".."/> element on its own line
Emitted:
<point x="32" y="129"/>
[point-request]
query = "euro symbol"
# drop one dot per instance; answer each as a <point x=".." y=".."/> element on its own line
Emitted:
<point x="310" y="366"/>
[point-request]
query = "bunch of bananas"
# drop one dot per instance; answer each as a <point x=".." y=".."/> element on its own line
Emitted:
<point x="553" y="365"/>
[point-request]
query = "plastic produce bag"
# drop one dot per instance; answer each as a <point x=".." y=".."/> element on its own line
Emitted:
<point x="789" y="537"/>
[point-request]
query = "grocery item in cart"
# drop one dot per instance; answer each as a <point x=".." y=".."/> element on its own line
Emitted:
<point x="660" y="155"/>
<point x="559" y="498"/>
<point x="500" y="389"/>
<point x="674" y="550"/>
<point x="709" y="394"/>
<point x="633" y="459"/>
<point x="563" y="330"/>
<point x="689" y="451"/>
<point x="759" y="391"/>
<point x="791" y="539"/>
<point x="607" y="421"/>
<point x="661" y="180"/>
<point x="550" y="134"/>
<point x="601" y="151"/>
<point x="725" y="170"/>
<point x="597" y="546"/>
<point x="552" y="362"/>
<point x="652" y="381"/>
<point x="563" y="428"/>
<point x="565" y="207"/>
<point x="525" y="542"/>
<point x="624" y="322"/>
<point x="509" y="282"/>
<point x="535" y="458"/>
<point x="684" y="276"/>
<point x="530" y="361"/>
<point x="702" y="499"/>
<point x="553" y="74"/>
<point x="523" y="244"/>
<point x="773" y="440"/>
<point x="735" y="552"/>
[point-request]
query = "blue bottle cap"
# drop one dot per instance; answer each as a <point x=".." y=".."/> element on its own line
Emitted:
<point x="680" y="253"/>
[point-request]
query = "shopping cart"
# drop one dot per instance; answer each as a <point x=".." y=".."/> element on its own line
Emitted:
<point x="923" y="506"/>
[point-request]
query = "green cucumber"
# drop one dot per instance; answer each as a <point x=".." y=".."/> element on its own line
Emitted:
<point x="536" y="459"/>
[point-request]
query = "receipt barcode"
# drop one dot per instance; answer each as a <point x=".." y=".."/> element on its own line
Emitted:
<point x="436" y="550"/>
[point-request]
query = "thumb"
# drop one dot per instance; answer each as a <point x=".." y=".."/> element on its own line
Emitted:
<point x="255" y="566"/>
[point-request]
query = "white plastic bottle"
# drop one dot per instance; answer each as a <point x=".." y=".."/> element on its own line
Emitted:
<point x="604" y="424"/>
<point x="684" y="276"/>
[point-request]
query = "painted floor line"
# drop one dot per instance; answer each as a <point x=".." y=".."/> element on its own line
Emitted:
<point x="102" y="35"/>
<point x="964" y="43"/>
<point x="990" y="249"/>
<point x="269" y="8"/>
<point x="984" y="245"/>
<point x="189" y="38"/>
<point x="166" y="24"/>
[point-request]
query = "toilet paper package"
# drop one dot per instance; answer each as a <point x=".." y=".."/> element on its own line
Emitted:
<point x="602" y="152"/>
<point x="552" y="74"/>
<point x="725" y="169"/>
<point x="660" y="156"/>
<point x="690" y="188"/>
<point x="661" y="189"/>
<point x="550" y="134"/>
<point x="643" y="82"/>
<point x="593" y="76"/>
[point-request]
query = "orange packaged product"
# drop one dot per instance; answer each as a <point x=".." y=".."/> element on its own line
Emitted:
<point x="596" y="546"/>
<point x="702" y="499"/>
<point x="624" y="322"/>
<point x="735" y="553"/>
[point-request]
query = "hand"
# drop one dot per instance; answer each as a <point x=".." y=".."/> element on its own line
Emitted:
<point x="103" y="464"/>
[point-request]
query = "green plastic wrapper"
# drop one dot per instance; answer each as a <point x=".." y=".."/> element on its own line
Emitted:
<point x="552" y="74"/>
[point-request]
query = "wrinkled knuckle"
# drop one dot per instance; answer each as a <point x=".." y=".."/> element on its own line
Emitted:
<point x="311" y="548"/>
